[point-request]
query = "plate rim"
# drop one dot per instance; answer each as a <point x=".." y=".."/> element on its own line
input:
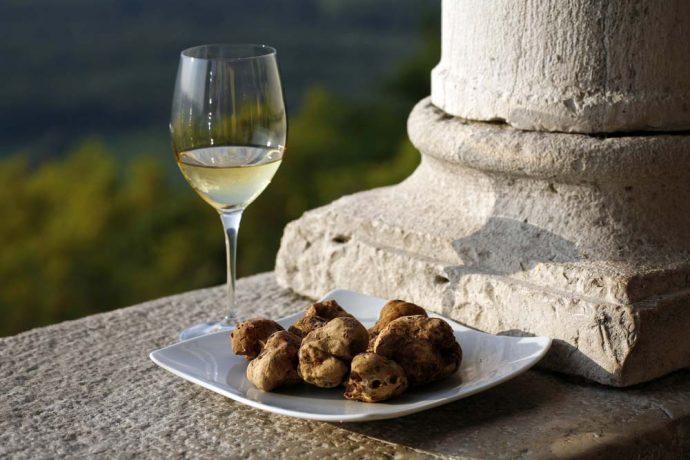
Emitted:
<point x="544" y="341"/>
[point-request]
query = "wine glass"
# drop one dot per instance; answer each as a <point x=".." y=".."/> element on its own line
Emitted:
<point x="228" y="129"/>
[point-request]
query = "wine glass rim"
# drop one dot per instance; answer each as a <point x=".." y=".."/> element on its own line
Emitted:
<point x="228" y="52"/>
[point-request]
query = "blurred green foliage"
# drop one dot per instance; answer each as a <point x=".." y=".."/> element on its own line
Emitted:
<point x="84" y="237"/>
<point x="88" y="232"/>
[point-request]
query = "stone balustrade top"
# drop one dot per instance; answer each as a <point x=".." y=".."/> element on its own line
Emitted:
<point x="87" y="388"/>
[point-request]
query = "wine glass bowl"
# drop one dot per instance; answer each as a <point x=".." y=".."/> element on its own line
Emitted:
<point x="228" y="129"/>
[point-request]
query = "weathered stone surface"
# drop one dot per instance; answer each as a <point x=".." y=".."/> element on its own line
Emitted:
<point x="578" y="66"/>
<point x="88" y="389"/>
<point x="583" y="239"/>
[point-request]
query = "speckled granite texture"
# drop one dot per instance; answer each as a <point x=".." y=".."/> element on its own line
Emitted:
<point x="87" y="388"/>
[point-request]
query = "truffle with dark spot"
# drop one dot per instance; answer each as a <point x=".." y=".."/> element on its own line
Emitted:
<point x="374" y="378"/>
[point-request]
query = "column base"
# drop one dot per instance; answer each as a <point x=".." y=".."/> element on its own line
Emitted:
<point x="508" y="252"/>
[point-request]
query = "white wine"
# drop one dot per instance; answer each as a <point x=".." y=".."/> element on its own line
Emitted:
<point x="230" y="177"/>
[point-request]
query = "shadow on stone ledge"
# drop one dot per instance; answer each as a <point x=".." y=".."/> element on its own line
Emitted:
<point x="485" y="418"/>
<point x="542" y="415"/>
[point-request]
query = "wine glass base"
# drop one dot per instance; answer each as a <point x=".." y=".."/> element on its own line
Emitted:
<point x="204" y="328"/>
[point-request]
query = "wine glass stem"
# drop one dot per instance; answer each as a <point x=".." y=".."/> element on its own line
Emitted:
<point x="231" y="225"/>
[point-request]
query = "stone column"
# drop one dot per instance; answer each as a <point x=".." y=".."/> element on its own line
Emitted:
<point x="550" y="229"/>
<point x="578" y="66"/>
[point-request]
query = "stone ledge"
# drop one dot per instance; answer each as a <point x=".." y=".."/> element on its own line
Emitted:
<point x="86" y="388"/>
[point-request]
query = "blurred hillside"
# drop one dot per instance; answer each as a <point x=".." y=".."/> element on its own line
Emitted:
<point x="95" y="213"/>
<point x="107" y="67"/>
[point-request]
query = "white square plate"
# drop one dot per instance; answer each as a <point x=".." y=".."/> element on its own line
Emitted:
<point x="488" y="360"/>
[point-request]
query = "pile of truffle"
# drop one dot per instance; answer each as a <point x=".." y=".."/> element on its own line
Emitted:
<point x="328" y="347"/>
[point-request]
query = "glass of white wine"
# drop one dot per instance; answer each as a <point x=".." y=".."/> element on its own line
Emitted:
<point x="228" y="129"/>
